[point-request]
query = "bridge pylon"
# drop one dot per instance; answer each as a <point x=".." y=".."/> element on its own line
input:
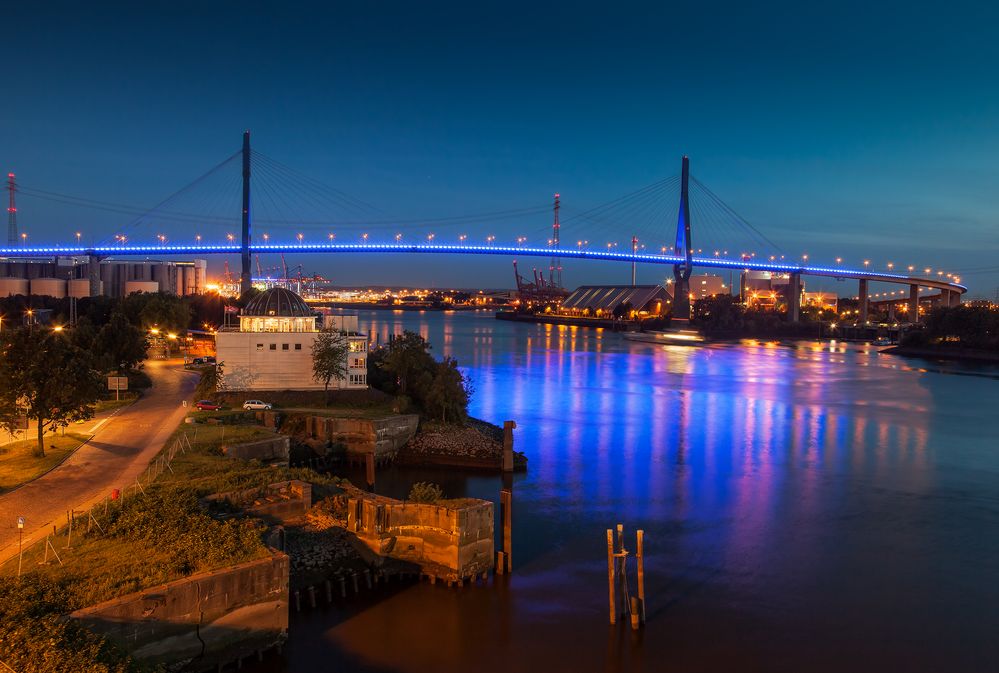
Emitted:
<point x="682" y="270"/>
<point x="245" y="281"/>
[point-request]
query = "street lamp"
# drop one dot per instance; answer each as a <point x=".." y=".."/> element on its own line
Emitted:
<point x="78" y="235"/>
<point x="398" y="238"/>
<point x="299" y="237"/>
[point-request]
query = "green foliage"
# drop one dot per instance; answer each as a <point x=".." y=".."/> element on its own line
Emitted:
<point x="406" y="368"/>
<point x="167" y="312"/>
<point x="212" y="379"/>
<point x="119" y="345"/>
<point x="425" y="491"/>
<point x="406" y="358"/>
<point x="448" y="393"/>
<point x="329" y="356"/>
<point x="963" y="326"/>
<point x="34" y="638"/>
<point x="44" y="375"/>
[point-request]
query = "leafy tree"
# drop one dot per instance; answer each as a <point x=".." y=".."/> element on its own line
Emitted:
<point x="212" y="380"/>
<point x="120" y="344"/>
<point x="157" y="309"/>
<point x="48" y="378"/>
<point x="329" y="357"/>
<point x="406" y="357"/>
<point x="448" y="392"/>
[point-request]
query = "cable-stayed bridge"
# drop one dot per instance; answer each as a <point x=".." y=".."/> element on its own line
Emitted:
<point x="250" y="204"/>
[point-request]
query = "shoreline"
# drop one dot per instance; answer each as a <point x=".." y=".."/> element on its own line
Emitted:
<point x="966" y="355"/>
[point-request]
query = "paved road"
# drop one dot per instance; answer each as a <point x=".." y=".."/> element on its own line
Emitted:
<point x="118" y="452"/>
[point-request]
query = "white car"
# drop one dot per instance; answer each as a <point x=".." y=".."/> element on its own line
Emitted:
<point x="256" y="405"/>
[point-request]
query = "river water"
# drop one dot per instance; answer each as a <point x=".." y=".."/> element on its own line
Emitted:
<point x="807" y="507"/>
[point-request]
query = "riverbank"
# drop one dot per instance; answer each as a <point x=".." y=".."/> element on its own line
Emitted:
<point x="944" y="353"/>
<point x="617" y="325"/>
<point x="475" y="446"/>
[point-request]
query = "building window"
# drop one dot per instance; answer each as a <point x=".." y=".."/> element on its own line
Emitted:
<point x="273" y="347"/>
<point x="357" y="363"/>
<point x="260" y="347"/>
<point x="358" y="379"/>
<point x="358" y="346"/>
<point x="284" y="347"/>
<point x="298" y="347"/>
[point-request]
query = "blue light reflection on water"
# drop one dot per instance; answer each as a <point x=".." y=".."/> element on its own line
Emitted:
<point x="808" y="507"/>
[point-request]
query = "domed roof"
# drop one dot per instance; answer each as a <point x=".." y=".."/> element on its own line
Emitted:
<point x="278" y="302"/>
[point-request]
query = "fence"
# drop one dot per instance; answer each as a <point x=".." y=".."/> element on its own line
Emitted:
<point x="92" y="516"/>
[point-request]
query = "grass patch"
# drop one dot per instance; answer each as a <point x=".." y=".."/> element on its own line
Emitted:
<point x="19" y="464"/>
<point x="145" y="541"/>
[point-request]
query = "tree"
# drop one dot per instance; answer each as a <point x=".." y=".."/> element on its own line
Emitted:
<point x="329" y="357"/>
<point x="212" y="380"/>
<point x="406" y="357"/>
<point x="45" y="376"/>
<point x="448" y="392"/>
<point x="120" y="344"/>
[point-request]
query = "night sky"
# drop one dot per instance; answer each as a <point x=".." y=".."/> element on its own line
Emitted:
<point x="859" y="130"/>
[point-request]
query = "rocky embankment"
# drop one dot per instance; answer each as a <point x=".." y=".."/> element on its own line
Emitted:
<point x="475" y="445"/>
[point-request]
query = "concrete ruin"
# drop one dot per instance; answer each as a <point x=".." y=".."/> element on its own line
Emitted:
<point x="269" y="450"/>
<point x="205" y="620"/>
<point x="452" y="540"/>
<point x="274" y="503"/>
<point x="382" y="437"/>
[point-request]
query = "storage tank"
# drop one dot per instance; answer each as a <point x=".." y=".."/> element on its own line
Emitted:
<point x="13" y="286"/>
<point x="132" y="286"/>
<point x="80" y="287"/>
<point x="52" y="287"/>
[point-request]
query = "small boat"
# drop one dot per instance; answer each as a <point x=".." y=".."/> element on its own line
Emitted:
<point x="883" y="341"/>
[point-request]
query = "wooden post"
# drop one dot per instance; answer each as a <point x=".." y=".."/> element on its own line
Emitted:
<point x="611" y="563"/>
<point x="640" y="557"/>
<point x="369" y="468"/>
<point x="506" y="512"/>
<point x="508" y="427"/>
<point x="500" y="563"/>
<point x="635" y="609"/>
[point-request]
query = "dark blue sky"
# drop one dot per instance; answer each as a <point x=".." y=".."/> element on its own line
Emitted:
<point x="860" y="130"/>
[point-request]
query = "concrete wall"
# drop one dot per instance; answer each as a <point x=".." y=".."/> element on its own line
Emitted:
<point x="230" y="613"/>
<point x="381" y="436"/>
<point x="275" y="503"/>
<point x="270" y="450"/>
<point x="448" y="542"/>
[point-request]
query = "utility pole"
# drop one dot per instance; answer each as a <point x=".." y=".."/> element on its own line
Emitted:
<point x="11" y="211"/>
<point x="244" y="276"/>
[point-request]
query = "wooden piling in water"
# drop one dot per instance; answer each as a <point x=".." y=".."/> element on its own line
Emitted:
<point x="298" y="601"/>
<point x="635" y="613"/>
<point x="312" y="597"/>
<point x="611" y="563"/>
<point x="640" y="557"/>
<point x="506" y="511"/>
<point x="329" y="591"/>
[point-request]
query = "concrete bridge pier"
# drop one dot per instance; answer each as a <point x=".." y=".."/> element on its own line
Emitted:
<point x="794" y="297"/>
<point x="913" y="314"/>
<point x="953" y="298"/>
<point x="94" y="274"/>
<point x="864" y="301"/>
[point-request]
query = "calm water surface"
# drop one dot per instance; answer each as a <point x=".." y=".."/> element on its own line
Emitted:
<point x="807" y="507"/>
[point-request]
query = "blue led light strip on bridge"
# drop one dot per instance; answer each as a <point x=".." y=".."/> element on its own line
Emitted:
<point x="426" y="248"/>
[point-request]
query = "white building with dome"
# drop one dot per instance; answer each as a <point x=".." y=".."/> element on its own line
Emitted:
<point x="272" y="348"/>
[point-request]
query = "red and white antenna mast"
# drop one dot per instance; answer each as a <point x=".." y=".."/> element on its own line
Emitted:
<point x="11" y="212"/>
<point x="555" y="269"/>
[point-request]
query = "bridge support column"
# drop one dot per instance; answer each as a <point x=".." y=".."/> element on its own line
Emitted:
<point x="245" y="282"/>
<point x="954" y="298"/>
<point x="864" y="301"/>
<point x="794" y="297"/>
<point x="913" y="313"/>
<point x="94" y="274"/>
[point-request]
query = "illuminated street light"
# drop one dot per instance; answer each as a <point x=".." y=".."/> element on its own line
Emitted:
<point x="299" y="237"/>
<point x="230" y="237"/>
<point x="78" y="235"/>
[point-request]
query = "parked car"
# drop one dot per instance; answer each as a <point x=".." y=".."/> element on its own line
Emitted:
<point x="256" y="405"/>
<point x="207" y="405"/>
<point x="209" y="359"/>
<point x="198" y="361"/>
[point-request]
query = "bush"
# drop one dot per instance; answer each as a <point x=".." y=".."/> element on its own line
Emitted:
<point x="424" y="491"/>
